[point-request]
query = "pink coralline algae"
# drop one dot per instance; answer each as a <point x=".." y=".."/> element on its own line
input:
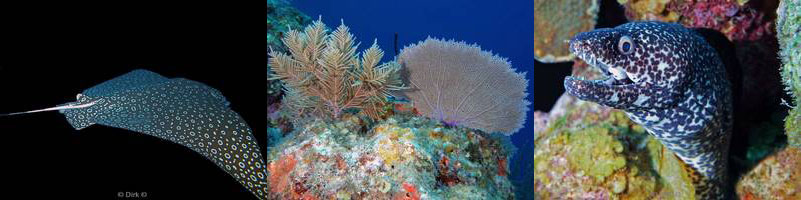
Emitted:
<point x="737" y="22"/>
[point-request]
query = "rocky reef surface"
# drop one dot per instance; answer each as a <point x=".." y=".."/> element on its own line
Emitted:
<point x="556" y="22"/>
<point x="281" y="17"/>
<point x="748" y="36"/>
<point x="402" y="157"/>
<point x="776" y="177"/>
<point x="587" y="151"/>
<point x="392" y="152"/>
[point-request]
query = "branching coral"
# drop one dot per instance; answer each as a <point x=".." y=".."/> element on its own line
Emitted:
<point x="324" y="76"/>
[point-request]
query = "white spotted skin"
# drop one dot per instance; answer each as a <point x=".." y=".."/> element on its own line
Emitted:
<point x="188" y="113"/>
<point x="680" y="93"/>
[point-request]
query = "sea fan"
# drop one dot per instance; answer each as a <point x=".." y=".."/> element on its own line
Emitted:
<point x="462" y="85"/>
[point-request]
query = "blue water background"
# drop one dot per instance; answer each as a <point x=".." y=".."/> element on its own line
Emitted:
<point x="502" y="27"/>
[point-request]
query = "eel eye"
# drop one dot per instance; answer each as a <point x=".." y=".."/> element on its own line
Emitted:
<point x="625" y="45"/>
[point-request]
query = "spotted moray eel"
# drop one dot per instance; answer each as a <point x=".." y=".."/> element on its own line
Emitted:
<point x="668" y="79"/>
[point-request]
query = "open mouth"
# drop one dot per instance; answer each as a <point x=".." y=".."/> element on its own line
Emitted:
<point x="611" y="75"/>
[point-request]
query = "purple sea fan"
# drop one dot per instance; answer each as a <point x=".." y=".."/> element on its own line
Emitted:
<point x="462" y="85"/>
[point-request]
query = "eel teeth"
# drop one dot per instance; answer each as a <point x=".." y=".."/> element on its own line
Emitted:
<point x="613" y="75"/>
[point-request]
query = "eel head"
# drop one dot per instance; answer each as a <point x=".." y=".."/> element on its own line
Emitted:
<point x="638" y="63"/>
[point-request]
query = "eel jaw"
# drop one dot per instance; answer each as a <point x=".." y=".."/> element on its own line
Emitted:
<point x="608" y="90"/>
<point x="611" y="75"/>
<point x="616" y="90"/>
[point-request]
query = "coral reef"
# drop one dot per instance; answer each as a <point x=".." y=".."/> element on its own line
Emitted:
<point x="649" y="10"/>
<point x="281" y="17"/>
<point x="776" y="177"/>
<point x="321" y="148"/>
<point x="403" y="157"/>
<point x="788" y="26"/>
<point x="462" y="85"/>
<point x="736" y="19"/>
<point x="751" y="53"/>
<point x="555" y="22"/>
<point x="586" y="151"/>
<point x="323" y="75"/>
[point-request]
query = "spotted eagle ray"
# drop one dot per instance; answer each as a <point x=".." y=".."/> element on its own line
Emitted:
<point x="183" y="111"/>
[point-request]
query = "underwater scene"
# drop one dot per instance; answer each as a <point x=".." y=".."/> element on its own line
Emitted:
<point x="394" y="100"/>
<point x="118" y="104"/>
<point x="667" y="99"/>
<point x="117" y="137"/>
<point x="402" y="100"/>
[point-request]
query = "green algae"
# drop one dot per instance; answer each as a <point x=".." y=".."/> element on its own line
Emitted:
<point x="673" y="176"/>
<point x="793" y="127"/>
<point x="788" y="25"/>
<point x="604" y="149"/>
<point x="595" y="152"/>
